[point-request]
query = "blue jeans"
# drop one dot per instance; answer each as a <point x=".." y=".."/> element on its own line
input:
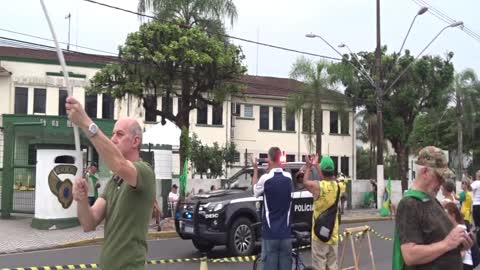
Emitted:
<point x="277" y="254"/>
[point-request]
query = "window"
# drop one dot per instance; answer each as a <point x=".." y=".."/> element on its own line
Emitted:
<point x="290" y="121"/>
<point x="217" y="114"/>
<point x="236" y="109"/>
<point x="202" y="113"/>
<point x="335" y="162"/>
<point x="62" y="99"/>
<point x="150" y="105"/>
<point x="39" y="100"/>
<point x="179" y="105"/>
<point x="248" y="110"/>
<point x="91" y="105"/>
<point x="21" y="100"/>
<point x="344" y="123"/>
<point x="307" y="120"/>
<point x="107" y="106"/>
<point x="304" y="158"/>
<point x="333" y="122"/>
<point x="344" y="168"/>
<point x="290" y="158"/>
<point x="277" y="118"/>
<point x="320" y="116"/>
<point x="236" y="157"/>
<point x="264" y="117"/>
<point x="262" y="155"/>
<point x="167" y="104"/>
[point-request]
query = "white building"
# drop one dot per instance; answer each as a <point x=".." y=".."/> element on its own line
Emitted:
<point x="30" y="82"/>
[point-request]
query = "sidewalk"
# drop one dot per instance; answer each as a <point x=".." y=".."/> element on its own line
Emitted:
<point x="16" y="234"/>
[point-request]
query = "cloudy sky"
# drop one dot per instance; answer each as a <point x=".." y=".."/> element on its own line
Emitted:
<point x="280" y="22"/>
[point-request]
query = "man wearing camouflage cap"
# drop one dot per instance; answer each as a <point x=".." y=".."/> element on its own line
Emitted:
<point x="425" y="237"/>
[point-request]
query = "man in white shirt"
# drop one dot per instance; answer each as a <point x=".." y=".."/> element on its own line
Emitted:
<point x="476" y="200"/>
<point x="173" y="199"/>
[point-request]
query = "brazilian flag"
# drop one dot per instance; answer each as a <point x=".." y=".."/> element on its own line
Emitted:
<point x="183" y="178"/>
<point x="387" y="196"/>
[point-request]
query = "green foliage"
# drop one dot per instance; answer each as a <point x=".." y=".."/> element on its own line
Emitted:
<point x="363" y="166"/>
<point x="209" y="160"/>
<point x="317" y="88"/>
<point x="424" y="86"/>
<point x="229" y="153"/>
<point x="191" y="12"/>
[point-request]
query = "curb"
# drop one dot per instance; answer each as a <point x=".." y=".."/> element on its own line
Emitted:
<point x="364" y="219"/>
<point x="99" y="240"/>
<point x="165" y="235"/>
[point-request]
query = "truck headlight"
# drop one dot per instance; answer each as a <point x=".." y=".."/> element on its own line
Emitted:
<point x="218" y="207"/>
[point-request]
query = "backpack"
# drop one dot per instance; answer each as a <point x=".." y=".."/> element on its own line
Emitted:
<point x="325" y="222"/>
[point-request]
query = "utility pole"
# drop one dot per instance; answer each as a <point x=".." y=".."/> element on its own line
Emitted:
<point x="378" y="65"/>
<point x="69" y="17"/>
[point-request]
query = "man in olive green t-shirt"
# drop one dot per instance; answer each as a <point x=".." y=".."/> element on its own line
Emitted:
<point x="126" y="204"/>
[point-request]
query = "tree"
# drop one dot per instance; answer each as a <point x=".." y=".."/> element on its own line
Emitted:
<point x="207" y="14"/>
<point x="465" y="94"/>
<point x="215" y="160"/>
<point x="423" y="86"/>
<point x="166" y="60"/>
<point x="229" y="154"/>
<point x="317" y="88"/>
<point x="453" y="128"/>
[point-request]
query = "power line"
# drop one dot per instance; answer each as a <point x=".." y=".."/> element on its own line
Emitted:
<point x="216" y="33"/>
<point x="445" y="18"/>
<point x="46" y="39"/>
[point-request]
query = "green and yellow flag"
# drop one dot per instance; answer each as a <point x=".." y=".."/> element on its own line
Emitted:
<point x="385" y="210"/>
<point x="183" y="178"/>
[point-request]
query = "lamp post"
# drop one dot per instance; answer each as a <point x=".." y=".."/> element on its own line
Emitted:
<point x="453" y="25"/>
<point x="419" y="13"/>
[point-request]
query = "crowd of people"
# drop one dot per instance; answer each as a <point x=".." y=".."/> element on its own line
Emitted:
<point x="429" y="234"/>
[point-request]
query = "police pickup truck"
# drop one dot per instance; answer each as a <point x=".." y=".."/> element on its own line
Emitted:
<point x="226" y="216"/>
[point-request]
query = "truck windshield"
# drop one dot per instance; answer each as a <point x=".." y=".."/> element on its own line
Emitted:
<point x="243" y="178"/>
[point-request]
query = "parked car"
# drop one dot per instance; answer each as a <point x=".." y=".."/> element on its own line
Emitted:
<point x="226" y="216"/>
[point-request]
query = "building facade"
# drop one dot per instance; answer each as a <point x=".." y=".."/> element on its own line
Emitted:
<point x="30" y="82"/>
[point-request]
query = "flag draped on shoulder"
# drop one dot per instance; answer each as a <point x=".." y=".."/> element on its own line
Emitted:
<point x="385" y="210"/>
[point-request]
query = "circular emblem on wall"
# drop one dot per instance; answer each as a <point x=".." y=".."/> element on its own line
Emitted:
<point x="62" y="189"/>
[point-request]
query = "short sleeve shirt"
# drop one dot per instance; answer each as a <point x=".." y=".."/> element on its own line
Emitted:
<point x="126" y="220"/>
<point x="424" y="223"/>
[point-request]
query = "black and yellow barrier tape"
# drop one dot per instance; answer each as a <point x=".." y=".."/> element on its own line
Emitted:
<point x="239" y="259"/>
<point x="383" y="237"/>
<point x="57" y="267"/>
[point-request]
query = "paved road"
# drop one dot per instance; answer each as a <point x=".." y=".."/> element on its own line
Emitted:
<point x="177" y="248"/>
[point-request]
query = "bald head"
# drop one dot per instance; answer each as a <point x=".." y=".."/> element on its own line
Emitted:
<point x="127" y="133"/>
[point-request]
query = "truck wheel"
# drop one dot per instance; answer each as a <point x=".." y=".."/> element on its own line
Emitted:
<point x="202" y="246"/>
<point x="241" y="238"/>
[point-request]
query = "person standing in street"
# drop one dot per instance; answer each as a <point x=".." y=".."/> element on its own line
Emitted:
<point x="465" y="199"/>
<point x="173" y="197"/>
<point x="93" y="184"/>
<point x="127" y="202"/>
<point x="325" y="192"/>
<point x="476" y="200"/>
<point x="276" y="186"/>
<point x="425" y="237"/>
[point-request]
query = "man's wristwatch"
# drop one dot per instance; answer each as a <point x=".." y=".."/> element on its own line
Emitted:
<point x="92" y="130"/>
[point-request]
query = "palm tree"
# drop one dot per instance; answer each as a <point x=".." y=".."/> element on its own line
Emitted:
<point x="465" y="93"/>
<point x="206" y="13"/>
<point x="317" y="88"/>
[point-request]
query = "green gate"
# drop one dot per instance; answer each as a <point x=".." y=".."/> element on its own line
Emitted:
<point x="23" y="134"/>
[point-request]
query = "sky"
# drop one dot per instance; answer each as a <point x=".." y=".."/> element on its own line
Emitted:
<point x="279" y="22"/>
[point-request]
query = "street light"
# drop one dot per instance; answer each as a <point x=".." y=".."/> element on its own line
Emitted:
<point x="419" y="13"/>
<point x="366" y="76"/>
<point x="453" y="25"/>
<point x="364" y="71"/>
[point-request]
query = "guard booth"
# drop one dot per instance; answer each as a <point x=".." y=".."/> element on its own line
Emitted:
<point x="24" y="137"/>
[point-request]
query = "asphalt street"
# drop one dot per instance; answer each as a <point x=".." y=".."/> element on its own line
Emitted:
<point x="181" y="249"/>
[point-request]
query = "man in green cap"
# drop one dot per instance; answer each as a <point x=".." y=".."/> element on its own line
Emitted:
<point x="425" y="237"/>
<point x="325" y="194"/>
